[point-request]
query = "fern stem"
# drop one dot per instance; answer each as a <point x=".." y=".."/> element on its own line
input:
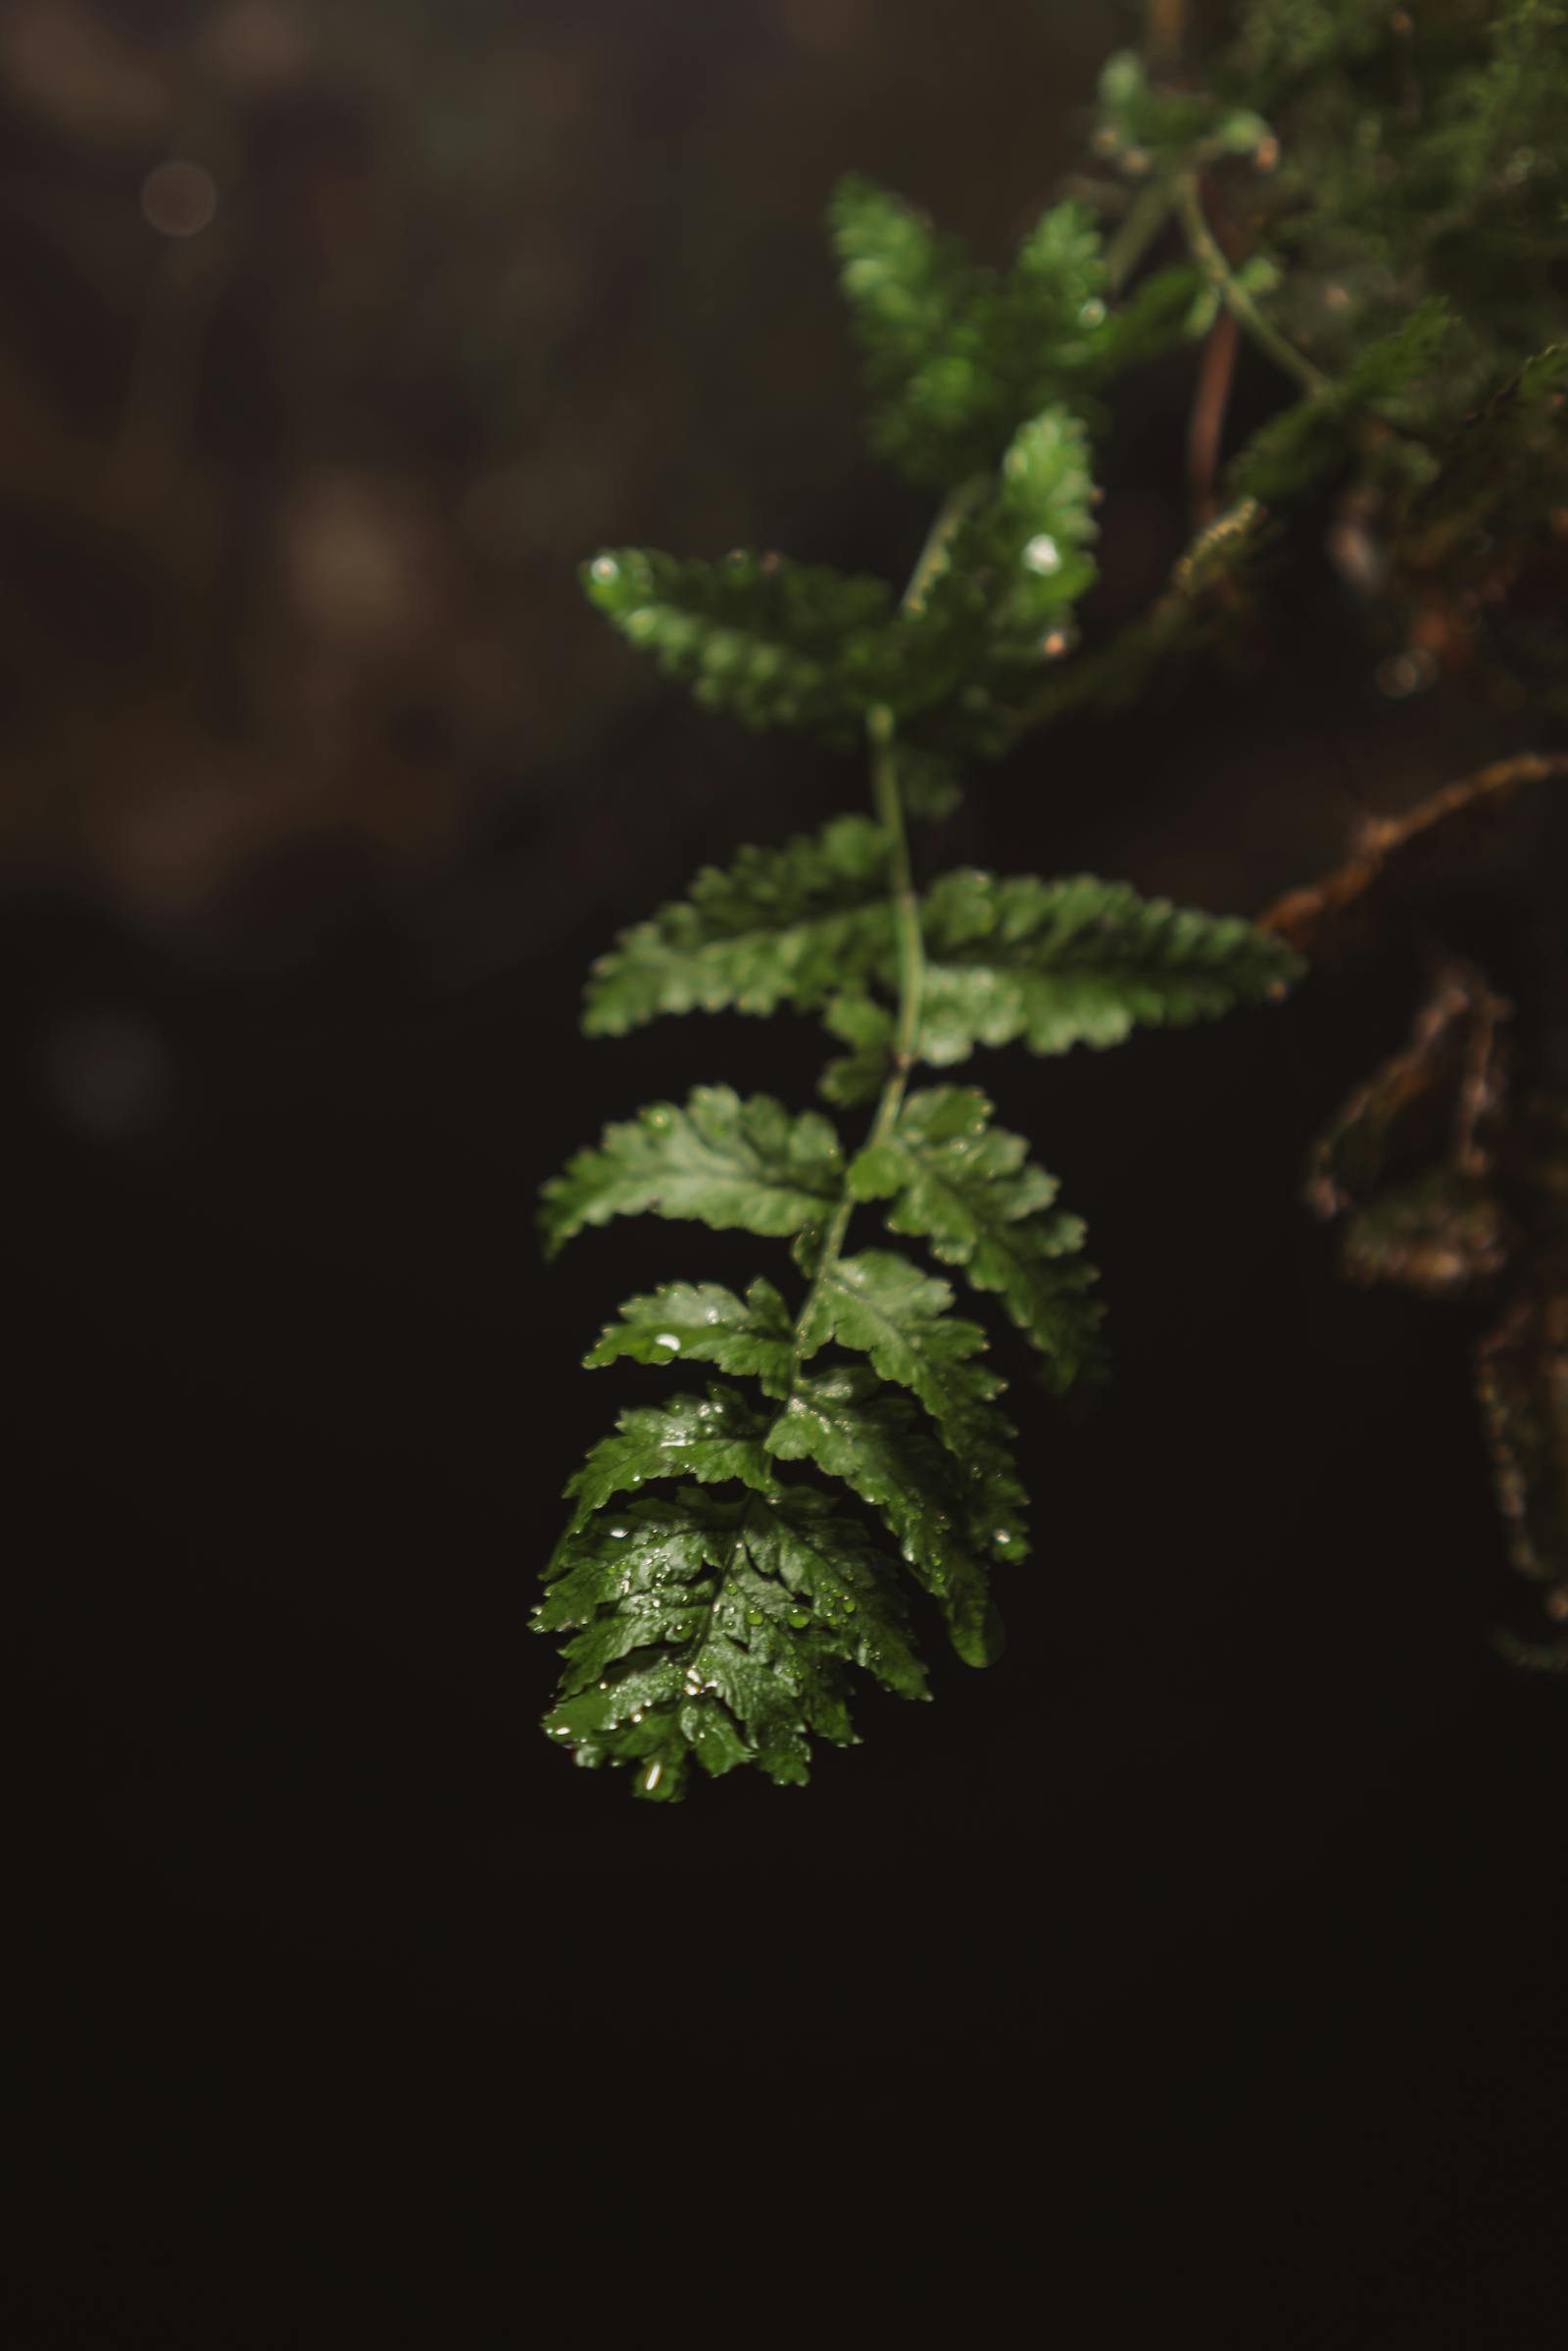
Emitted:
<point x="1208" y="253"/>
<point x="888" y="801"/>
<point x="889" y="804"/>
<point x="1145" y="218"/>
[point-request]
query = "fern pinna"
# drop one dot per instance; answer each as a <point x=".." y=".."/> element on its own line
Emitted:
<point x="735" y="1554"/>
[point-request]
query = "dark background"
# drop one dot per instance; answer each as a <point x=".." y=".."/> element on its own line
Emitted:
<point x="1226" y="1908"/>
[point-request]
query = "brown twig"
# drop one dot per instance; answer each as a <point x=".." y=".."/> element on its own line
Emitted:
<point x="1300" y="917"/>
<point x="1205" y="428"/>
<point x="1164" y="29"/>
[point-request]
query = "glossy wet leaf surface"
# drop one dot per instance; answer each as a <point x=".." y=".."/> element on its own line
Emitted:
<point x="782" y="927"/>
<point x="719" y="1160"/>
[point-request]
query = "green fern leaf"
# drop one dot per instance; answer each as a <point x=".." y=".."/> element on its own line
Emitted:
<point x="828" y="1563"/>
<point x="721" y="1629"/>
<point x="1170" y="307"/>
<point x="712" y="1437"/>
<point x="786" y="925"/>
<point x="775" y="643"/>
<point x="1284" y="40"/>
<point x="1505" y="470"/>
<point x="920" y="307"/>
<point x="931" y="782"/>
<point x="720" y="1161"/>
<point x="868" y="1027"/>
<point x="1015" y="568"/>
<point x="1075" y="961"/>
<point x="1300" y="448"/>
<point x="884" y="1307"/>
<point x="958" y="355"/>
<point x="1139" y="119"/>
<point x="847" y="1423"/>
<point x="702" y="1322"/>
<point x="969" y="1190"/>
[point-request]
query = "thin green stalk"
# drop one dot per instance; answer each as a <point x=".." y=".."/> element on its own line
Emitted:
<point x="888" y="802"/>
<point x="881" y="729"/>
<point x="1145" y="218"/>
<point x="1205" y="250"/>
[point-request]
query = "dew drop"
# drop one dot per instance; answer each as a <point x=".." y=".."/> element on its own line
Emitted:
<point x="1093" y="311"/>
<point x="1043" y="555"/>
<point x="799" y="1619"/>
<point x="668" y="1338"/>
<point x="606" y="568"/>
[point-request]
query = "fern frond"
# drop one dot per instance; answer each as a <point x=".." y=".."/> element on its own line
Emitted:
<point x="702" y="1322"/>
<point x="1054" y="965"/>
<point x="721" y="1629"/>
<point x="1305" y="444"/>
<point x="1504" y="471"/>
<point x="971" y="1191"/>
<point x="712" y="1438"/>
<point x="1014" y="567"/>
<point x="788" y="925"/>
<point x="720" y="1161"/>
<point x="1283" y="40"/>
<point x="1144" y="121"/>
<point x="774" y="643"/>
<point x="959" y="356"/>
<point x="919" y="305"/>
<point x="849" y="1425"/>
<point x="721" y="1614"/>
<point x="868" y="1027"/>
<point x="1171" y="306"/>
